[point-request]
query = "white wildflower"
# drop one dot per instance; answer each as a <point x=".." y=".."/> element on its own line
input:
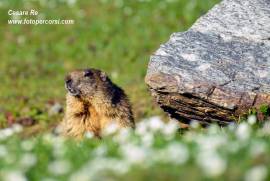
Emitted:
<point x="266" y="128"/>
<point x="155" y="123"/>
<point x="100" y="151"/>
<point x="28" y="160"/>
<point x="258" y="173"/>
<point x="232" y="126"/>
<point x="59" y="167"/>
<point x="257" y="148"/>
<point x="211" y="163"/>
<point x="141" y="128"/>
<point x="211" y="142"/>
<point x="110" y="129"/>
<point x="170" y="129"/>
<point x="194" y="124"/>
<point x="71" y="2"/>
<point x="190" y="136"/>
<point x="59" y="148"/>
<point x="177" y="153"/>
<point x="112" y="164"/>
<point x="122" y="136"/>
<point x="134" y="154"/>
<point x="17" y="128"/>
<point x="7" y="132"/>
<point x="214" y="129"/>
<point x="243" y="131"/>
<point x="92" y="170"/>
<point x="14" y="176"/>
<point x="48" y="138"/>
<point x="27" y="145"/>
<point x="147" y="139"/>
<point x="89" y="135"/>
<point x="252" y="119"/>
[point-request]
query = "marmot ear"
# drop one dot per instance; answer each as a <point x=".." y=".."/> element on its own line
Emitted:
<point x="103" y="76"/>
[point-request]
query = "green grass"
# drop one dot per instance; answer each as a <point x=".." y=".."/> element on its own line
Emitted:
<point x="115" y="36"/>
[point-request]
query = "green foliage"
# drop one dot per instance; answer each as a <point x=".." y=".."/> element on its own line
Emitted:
<point x="265" y="109"/>
<point x="252" y="111"/>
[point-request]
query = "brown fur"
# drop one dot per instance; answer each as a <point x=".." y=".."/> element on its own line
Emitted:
<point x="92" y="103"/>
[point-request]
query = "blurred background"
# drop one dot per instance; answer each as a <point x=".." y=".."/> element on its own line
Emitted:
<point x="116" y="36"/>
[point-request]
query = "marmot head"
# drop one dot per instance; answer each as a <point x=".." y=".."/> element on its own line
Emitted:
<point x="86" y="83"/>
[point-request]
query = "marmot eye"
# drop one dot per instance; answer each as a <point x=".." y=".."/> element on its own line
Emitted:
<point x="88" y="73"/>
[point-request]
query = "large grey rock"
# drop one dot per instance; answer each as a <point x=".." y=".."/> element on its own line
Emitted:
<point x="219" y="68"/>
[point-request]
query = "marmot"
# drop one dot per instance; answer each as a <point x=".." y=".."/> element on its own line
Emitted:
<point x="93" y="101"/>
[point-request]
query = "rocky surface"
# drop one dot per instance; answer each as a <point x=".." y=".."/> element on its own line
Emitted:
<point x="219" y="68"/>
